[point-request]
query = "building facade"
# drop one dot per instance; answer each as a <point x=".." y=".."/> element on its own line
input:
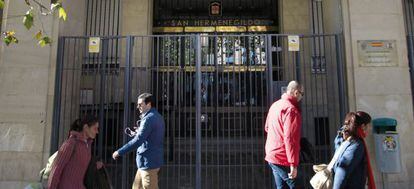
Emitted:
<point x="215" y="67"/>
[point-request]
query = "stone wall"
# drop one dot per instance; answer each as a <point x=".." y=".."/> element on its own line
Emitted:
<point x="381" y="91"/>
<point x="26" y="86"/>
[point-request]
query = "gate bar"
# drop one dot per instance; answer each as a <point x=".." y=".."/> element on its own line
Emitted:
<point x="198" y="112"/>
<point x="269" y="70"/>
<point x="127" y="89"/>
<point x="341" y="83"/>
<point x="298" y="73"/>
<point x="57" y="98"/>
<point x="102" y="92"/>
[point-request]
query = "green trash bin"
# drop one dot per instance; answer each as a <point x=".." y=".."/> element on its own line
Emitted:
<point x="384" y="125"/>
<point x="387" y="145"/>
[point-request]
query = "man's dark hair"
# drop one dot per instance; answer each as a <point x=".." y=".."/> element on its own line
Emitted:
<point x="147" y="97"/>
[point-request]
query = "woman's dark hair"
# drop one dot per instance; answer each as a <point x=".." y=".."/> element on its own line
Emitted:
<point x="353" y="121"/>
<point x="365" y="117"/>
<point x="78" y="124"/>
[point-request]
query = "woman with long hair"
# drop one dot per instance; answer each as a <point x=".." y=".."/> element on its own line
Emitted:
<point x="353" y="167"/>
<point x="69" y="167"/>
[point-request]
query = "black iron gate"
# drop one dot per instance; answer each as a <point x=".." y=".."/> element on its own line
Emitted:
<point x="213" y="91"/>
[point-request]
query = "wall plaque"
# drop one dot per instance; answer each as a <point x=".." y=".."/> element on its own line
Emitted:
<point x="377" y="53"/>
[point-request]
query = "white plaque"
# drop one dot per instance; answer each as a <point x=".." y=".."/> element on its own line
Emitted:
<point x="293" y="42"/>
<point x="377" y="53"/>
<point x="94" y="43"/>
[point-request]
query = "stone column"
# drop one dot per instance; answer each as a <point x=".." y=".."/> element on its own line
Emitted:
<point x="383" y="91"/>
<point x="295" y="16"/>
<point x="26" y="98"/>
<point x="136" y="20"/>
<point x="136" y="17"/>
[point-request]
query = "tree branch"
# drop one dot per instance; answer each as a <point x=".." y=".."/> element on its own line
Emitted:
<point x="40" y="4"/>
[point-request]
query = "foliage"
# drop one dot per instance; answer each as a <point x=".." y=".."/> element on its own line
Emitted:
<point x="33" y="18"/>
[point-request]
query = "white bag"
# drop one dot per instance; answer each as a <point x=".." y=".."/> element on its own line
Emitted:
<point x="322" y="178"/>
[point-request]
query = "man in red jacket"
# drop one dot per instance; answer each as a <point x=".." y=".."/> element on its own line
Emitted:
<point x="283" y="126"/>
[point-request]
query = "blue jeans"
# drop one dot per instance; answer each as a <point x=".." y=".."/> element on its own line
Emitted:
<point x="280" y="175"/>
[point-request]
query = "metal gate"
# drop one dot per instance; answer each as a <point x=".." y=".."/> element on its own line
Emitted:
<point x="213" y="91"/>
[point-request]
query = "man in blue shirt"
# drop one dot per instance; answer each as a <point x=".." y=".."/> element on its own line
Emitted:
<point x="149" y="142"/>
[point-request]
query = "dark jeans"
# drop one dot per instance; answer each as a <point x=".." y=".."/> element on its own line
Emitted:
<point x="280" y="175"/>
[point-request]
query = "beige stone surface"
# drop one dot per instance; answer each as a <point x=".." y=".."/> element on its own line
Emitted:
<point x="21" y="137"/>
<point x="392" y="106"/>
<point x="76" y="22"/>
<point x="136" y="17"/>
<point x="381" y="91"/>
<point x="295" y="16"/>
<point x="375" y="6"/>
<point x="26" y="72"/>
<point x="13" y="184"/>
<point x="332" y="16"/>
<point x="20" y="166"/>
<point x="382" y="81"/>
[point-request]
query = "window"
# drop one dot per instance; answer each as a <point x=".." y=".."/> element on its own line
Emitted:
<point x="318" y="64"/>
<point x="322" y="137"/>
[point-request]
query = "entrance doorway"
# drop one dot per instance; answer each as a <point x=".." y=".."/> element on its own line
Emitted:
<point x="214" y="100"/>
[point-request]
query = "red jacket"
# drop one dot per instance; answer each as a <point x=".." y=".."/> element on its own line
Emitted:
<point x="71" y="163"/>
<point x="283" y="124"/>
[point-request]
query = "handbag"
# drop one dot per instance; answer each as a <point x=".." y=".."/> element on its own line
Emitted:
<point x="323" y="175"/>
<point x="96" y="178"/>
<point x="322" y="178"/>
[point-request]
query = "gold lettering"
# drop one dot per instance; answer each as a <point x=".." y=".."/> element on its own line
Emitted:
<point x="213" y="22"/>
<point x="257" y="22"/>
<point x="207" y="22"/>
<point x="231" y="22"/>
<point x="220" y="22"/>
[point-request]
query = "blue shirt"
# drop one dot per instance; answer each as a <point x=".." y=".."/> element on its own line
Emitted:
<point x="350" y="169"/>
<point x="149" y="141"/>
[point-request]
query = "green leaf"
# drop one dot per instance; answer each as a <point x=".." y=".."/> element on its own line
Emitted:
<point x="38" y="35"/>
<point x="45" y="41"/>
<point x="7" y="41"/>
<point x="62" y="13"/>
<point x="10" y="38"/>
<point x="1" y="4"/>
<point x="28" y="19"/>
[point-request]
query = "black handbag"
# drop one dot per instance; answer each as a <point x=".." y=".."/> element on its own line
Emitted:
<point x="96" y="179"/>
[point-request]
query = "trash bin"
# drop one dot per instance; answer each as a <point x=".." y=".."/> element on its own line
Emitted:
<point x="387" y="145"/>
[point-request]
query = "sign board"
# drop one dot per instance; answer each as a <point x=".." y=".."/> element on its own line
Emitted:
<point x="377" y="53"/>
<point x="94" y="43"/>
<point x="293" y="42"/>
